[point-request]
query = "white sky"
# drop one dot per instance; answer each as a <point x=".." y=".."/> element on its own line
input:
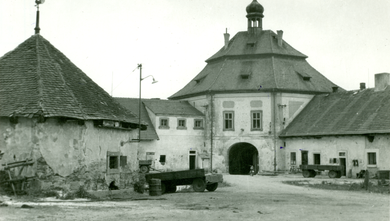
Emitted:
<point x="348" y="41"/>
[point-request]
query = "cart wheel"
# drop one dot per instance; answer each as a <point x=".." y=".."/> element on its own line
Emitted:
<point x="312" y="173"/>
<point x="332" y="174"/>
<point x="212" y="187"/>
<point x="198" y="185"/>
<point x="306" y="173"/>
<point x="144" y="169"/>
<point x="338" y="174"/>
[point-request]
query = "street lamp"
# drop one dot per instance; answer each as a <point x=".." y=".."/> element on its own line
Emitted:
<point x="139" y="101"/>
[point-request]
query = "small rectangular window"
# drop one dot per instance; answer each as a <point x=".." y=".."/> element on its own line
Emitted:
<point x="198" y="124"/>
<point x="257" y="120"/>
<point x="371" y="158"/>
<point x="228" y="120"/>
<point x="123" y="161"/>
<point x="293" y="158"/>
<point x="342" y="154"/>
<point x="113" y="162"/>
<point x="181" y="124"/>
<point x="162" y="159"/>
<point x="164" y="123"/>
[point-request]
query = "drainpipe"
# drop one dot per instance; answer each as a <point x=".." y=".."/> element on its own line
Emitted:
<point x="273" y="106"/>
<point x="211" y="130"/>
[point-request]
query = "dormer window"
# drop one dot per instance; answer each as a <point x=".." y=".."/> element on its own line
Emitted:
<point x="245" y="76"/>
<point x="304" y="76"/>
<point x="251" y="43"/>
<point x="198" y="80"/>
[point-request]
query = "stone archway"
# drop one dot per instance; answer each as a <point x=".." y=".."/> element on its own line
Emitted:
<point x="241" y="157"/>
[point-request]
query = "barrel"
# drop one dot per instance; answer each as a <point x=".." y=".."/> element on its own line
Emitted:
<point x="155" y="187"/>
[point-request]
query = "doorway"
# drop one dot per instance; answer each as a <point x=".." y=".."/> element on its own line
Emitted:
<point x="304" y="159"/>
<point x="317" y="158"/>
<point x="343" y="163"/>
<point x="192" y="155"/>
<point x="241" y="157"/>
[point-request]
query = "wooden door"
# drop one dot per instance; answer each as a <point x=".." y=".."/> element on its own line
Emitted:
<point x="192" y="162"/>
<point x="305" y="159"/>
<point x="343" y="163"/>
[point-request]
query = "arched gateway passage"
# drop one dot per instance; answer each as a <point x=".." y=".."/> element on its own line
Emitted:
<point x="241" y="157"/>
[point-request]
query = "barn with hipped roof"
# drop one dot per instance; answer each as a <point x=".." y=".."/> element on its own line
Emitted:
<point x="53" y="113"/>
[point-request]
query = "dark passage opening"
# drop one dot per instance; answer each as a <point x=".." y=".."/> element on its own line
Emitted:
<point x="241" y="157"/>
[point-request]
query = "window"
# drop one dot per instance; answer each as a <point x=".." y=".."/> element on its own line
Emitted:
<point x="257" y="121"/>
<point x="164" y="123"/>
<point x="181" y="124"/>
<point x="115" y="162"/>
<point x="371" y="158"/>
<point x="317" y="158"/>
<point x="228" y="120"/>
<point x="198" y="124"/>
<point x="293" y="158"/>
<point x="162" y="159"/>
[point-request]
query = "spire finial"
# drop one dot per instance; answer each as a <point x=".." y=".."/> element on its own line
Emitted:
<point x="38" y="2"/>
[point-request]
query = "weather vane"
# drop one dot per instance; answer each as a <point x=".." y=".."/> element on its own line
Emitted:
<point x="38" y="2"/>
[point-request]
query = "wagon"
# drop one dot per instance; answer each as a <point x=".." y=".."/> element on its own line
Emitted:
<point x="197" y="178"/>
<point x="310" y="170"/>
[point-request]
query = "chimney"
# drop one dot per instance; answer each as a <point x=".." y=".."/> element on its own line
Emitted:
<point x="382" y="80"/>
<point x="335" y="89"/>
<point x="280" y="37"/>
<point x="227" y="36"/>
<point x="362" y="86"/>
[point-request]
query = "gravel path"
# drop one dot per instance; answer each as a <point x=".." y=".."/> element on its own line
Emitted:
<point x="248" y="198"/>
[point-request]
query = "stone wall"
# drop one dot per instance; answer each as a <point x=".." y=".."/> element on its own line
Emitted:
<point x="68" y="152"/>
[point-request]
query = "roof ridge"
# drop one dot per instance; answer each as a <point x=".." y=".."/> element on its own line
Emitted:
<point x="219" y="73"/>
<point x="64" y="82"/>
<point x="273" y="71"/>
<point x="39" y="80"/>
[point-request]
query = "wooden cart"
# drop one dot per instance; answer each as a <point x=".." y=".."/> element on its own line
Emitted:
<point x="17" y="180"/>
<point x="197" y="178"/>
<point x="310" y="170"/>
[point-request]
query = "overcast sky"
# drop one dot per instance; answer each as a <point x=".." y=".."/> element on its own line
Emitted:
<point x="348" y="41"/>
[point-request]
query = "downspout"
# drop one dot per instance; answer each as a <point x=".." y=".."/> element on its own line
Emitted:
<point x="211" y="130"/>
<point x="273" y="105"/>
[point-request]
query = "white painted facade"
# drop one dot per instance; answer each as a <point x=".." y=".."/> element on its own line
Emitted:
<point x="183" y="147"/>
<point x="351" y="148"/>
<point x="266" y="141"/>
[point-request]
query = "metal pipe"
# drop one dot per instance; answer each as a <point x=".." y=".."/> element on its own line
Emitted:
<point x="139" y="103"/>
<point x="211" y="131"/>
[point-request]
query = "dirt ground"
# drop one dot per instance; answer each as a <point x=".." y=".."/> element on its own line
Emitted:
<point x="247" y="198"/>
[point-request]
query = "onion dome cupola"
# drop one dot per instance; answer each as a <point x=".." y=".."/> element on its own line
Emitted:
<point x="255" y="16"/>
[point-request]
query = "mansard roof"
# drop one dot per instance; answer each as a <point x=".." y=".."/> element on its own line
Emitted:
<point x="36" y="79"/>
<point x="256" y="62"/>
